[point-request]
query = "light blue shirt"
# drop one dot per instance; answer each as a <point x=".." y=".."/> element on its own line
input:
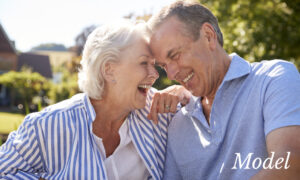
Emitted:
<point x="58" y="143"/>
<point x="252" y="100"/>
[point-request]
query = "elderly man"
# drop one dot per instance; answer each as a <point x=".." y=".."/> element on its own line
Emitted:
<point x="244" y="121"/>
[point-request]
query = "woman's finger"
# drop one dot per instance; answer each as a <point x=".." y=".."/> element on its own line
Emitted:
<point x="161" y="103"/>
<point x="167" y="103"/>
<point x="153" y="109"/>
<point x="174" y="103"/>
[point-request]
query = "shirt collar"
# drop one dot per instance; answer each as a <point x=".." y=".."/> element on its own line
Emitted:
<point x="238" y="68"/>
<point x="191" y="106"/>
<point x="89" y="107"/>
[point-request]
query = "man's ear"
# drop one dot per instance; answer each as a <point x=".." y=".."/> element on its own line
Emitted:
<point x="108" y="72"/>
<point x="210" y="34"/>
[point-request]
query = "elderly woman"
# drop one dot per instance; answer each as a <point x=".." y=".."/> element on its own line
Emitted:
<point x="103" y="133"/>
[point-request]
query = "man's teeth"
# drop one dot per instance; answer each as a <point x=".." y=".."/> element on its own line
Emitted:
<point x="189" y="77"/>
<point x="144" y="86"/>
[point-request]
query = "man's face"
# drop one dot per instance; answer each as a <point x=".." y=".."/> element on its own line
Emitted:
<point x="191" y="62"/>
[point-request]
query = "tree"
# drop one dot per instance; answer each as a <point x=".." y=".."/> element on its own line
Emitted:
<point x="25" y="87"/>
<point x="68" y="85"/>
<point x="259" y="29"/>
<point x="256" y="30"/>
<point x="145" y="17"/>
<point x="81" y="39"/>
<point x="49" y="47"/>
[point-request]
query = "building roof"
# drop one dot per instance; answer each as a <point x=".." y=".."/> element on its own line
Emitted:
<point x="38" y="63"/>
<point x="5" y="44"/>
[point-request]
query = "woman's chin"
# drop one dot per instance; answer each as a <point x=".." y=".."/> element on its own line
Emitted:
<point x="140" y="104"/>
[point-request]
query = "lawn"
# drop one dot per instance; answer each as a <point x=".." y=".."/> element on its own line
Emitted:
<point x="9" y="122"/>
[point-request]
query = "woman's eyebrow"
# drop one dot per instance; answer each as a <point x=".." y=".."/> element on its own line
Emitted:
<point x="145" y="55"/>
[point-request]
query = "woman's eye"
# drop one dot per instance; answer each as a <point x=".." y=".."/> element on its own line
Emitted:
<point x="144" y="63"/>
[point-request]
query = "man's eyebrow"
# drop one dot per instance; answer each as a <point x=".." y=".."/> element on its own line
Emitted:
<point x="171" y="51"/>
<point x="157" y="63"/>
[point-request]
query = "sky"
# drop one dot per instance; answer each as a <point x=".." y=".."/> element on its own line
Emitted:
<point x="33" y="22"/>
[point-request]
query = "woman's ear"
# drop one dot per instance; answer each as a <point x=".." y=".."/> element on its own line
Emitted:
<point x="210" y="34"/>
<point x="108" y="72"/>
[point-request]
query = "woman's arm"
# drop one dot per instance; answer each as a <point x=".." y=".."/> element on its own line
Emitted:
<point x="21" y="152"/>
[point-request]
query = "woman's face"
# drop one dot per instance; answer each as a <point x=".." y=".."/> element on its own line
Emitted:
<point x="134" y="75"/>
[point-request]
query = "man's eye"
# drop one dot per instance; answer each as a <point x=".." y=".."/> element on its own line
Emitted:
<point x="162" y="66"/>
<point x="175" y="56"/>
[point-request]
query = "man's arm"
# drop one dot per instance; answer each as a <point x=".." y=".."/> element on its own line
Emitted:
<point x="281" y="110"/>
<point x="171" y="171"/>
<point x="281" y="141"/>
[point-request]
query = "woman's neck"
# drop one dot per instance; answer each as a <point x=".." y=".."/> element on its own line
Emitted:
<point x="109" y="116"/>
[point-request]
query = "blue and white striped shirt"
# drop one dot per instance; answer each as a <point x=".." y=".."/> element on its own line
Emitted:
<point x="57" y="143"/>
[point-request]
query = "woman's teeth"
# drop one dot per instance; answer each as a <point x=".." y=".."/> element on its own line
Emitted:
<point x="188" y="77"/>
<point x="144" y="86"/>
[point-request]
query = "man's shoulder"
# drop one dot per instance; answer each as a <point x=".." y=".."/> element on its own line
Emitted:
<point x="179" y="120"/>
<point x="273" y="68"/>
<point x="182" y="120"/>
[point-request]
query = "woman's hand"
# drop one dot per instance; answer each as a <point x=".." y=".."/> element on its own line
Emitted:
<point x="166" y="101"/>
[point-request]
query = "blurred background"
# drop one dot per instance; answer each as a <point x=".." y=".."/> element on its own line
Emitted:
<point x="41" y="42"/>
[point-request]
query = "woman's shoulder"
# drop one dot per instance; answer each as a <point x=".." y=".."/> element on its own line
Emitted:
<point x="63" y="111"/>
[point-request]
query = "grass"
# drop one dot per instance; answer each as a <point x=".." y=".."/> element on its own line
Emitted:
<point x="9" y="122"/>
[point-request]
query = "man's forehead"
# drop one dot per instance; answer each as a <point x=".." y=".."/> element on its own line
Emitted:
<point x="163" y="38"/>
<point x="168" y="27"/>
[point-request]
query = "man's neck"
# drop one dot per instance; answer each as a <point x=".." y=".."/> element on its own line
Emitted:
<point x="207" y="101"/>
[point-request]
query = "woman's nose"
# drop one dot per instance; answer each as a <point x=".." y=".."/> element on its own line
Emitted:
<point x="152" y="73"/>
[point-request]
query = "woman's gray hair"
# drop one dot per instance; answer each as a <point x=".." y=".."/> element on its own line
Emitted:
<point x="192" y="14"/>
<point x="104" y="45"/>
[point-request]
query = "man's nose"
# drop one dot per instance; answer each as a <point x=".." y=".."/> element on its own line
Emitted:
<point x="172" y="69"/>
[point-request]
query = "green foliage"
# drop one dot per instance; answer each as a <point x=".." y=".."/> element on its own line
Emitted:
<point x="64" y="90"/>
<point x="256" y="29"/>
<point x="162" y="82"/>
<point x="25" y="86"/>
<point x="259" y="29"/>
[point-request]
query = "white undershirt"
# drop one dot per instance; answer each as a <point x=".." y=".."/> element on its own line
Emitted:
<point x="125" y="162"/>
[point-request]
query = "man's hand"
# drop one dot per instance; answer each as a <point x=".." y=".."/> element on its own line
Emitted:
<point x="166" y="101"/>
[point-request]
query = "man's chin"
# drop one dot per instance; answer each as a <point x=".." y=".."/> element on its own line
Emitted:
<point x="189" y="89"/>
<point x="195" y="92"/>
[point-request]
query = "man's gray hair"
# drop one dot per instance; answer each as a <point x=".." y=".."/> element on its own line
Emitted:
<point x="104" y="45"/>
<point x="193" y="15"/>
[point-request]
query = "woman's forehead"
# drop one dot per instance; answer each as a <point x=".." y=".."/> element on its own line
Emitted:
<point x="138" y="47"/>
